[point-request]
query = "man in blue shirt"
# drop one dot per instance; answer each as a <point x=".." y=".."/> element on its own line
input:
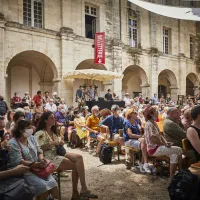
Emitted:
<point x="155" y="99"/>
<point x="113" y="124"/>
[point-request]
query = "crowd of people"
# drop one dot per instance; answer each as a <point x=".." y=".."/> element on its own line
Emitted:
<point x="36" y="128"/>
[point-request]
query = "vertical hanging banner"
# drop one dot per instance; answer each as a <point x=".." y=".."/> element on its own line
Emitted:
<point x="99" y="57"/>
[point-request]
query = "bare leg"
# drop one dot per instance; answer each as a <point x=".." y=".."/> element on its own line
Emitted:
<point x="69" y="136"/>
<point x="43" y="196"/>
<point x="101" y="141"/>
<point x="54" y="192"/>
<point x="172" y="171"/>
<point x="180" y="162"/>
<point x="78" y="161"/>
<point x="143" y="148"/>
<point x="70" y="165"/>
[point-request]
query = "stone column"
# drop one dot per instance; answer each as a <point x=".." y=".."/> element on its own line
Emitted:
<point x="2" y="55"/>
<point x="153" y="73"/>
<point x="67" y="63"/>
<point x="182" y="75"/>
<point x="117" y="84"/>
<point x="174" y="92"/>
<point x="146" y="91"/>
<point x="66" y="11"/>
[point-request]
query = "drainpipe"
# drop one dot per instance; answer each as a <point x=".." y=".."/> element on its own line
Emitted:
<point x="120" y="19"/>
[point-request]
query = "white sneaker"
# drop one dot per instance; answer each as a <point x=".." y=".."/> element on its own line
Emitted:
<point x="146" y="168"/>
<point x="141" y="168"/>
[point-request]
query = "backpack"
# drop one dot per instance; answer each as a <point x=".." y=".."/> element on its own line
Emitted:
<point x="184" y="186"/>
<point x="75" y="140"/>
<point x="105" y="154"/>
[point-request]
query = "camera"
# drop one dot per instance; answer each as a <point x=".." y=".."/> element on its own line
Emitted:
<point x="95" y="87"/>
<point x="84" y="86"/>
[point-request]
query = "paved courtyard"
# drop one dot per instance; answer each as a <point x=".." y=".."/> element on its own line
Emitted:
<point x="115" y="182"/>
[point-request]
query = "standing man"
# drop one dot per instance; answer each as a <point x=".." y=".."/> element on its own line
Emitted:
<point x="37" y="99"/>
<point x="108" y="96"/>
<point x="79" y="95"/>
<point x="56" y="99"/>
<point x="90" y="93"/>
<point x="46" y="97"/>
<point x="155" y="99"/>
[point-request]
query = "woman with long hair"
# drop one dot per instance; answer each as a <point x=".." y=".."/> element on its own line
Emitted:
<point x="26" y="151"/>
<point x="48" y="140"/>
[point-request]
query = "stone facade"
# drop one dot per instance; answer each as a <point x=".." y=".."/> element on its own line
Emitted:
<point x="38" y="58"/>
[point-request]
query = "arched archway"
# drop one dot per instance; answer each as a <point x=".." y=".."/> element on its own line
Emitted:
<point x="192" y="84"/>
<point x="89" y="64"/>
<point x="167" y="84"/>
<point x="84" y="65"/>
<point x="135" y="81"/>
<point x="30" y="71"/>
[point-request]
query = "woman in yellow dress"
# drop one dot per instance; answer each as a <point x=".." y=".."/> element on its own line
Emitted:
<point x="80" y="125"/>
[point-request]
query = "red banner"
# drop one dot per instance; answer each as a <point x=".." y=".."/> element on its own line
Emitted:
<point x="99" y="57"/>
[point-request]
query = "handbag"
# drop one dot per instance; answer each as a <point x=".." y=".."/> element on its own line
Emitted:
<point x="60" y="150"/>
<point x="48" y="169"/>
<point x="16" y="189"/>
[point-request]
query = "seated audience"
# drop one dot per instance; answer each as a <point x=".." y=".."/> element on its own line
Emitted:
<point x="80" y="125"/>
<point x="92" y="125"/>
<point x="133" y="138"/>
<point x="187" y="119"/>
<point x="26" y="151"/>
<point x="48" y="140"/>
<point x="50" y="106"/>
<point x="157" y="144"/>
<point x="69" y="123"/>
<point x="113" y="124"/>
<point x="171" y="129"/>
<point x="193" y="132"/>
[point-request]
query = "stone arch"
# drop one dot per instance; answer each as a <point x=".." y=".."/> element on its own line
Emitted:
<point x="135" y="81"/>
<point x="192" y="84"/>
<point x="167" y="83"/>
<point x="37" y="72"/>
<point x="89" y="64"/>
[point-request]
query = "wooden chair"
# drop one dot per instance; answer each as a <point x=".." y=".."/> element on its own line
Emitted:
<point x="132" y="154"/>
<point x="186" y="145"/>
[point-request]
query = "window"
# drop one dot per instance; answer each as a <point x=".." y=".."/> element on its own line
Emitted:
<point x="166" y="40"/>
<point x="191" y="47"/>
<point x="90" y="21"/>
<point x="166" y="2"/>
<point x="33" y="13"/>
<point x="133" y="32"/>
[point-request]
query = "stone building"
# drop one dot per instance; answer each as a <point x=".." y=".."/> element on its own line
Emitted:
<point x="42" y="40"/>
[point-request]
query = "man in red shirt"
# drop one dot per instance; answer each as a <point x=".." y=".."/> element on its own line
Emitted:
<point x="16" y="100"/>
<point x="37" y="99"/>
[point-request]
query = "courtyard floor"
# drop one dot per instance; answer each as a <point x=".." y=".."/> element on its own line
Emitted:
<point x="114" y="182"/>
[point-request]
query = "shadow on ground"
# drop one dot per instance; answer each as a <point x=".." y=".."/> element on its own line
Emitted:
<point x="114" y="182"/>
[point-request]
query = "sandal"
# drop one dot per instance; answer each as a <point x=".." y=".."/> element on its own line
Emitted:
<point x="89" y="194"/>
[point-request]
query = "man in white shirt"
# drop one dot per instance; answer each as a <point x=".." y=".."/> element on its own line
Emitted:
<point x="128" y="100"/>
<point x="50" y="106"/>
